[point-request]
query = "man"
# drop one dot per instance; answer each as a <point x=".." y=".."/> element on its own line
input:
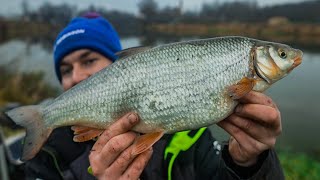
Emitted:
<point x="89" y="44"/>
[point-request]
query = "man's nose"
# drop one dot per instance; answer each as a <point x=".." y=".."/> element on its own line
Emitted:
<point x="79" y="75"/>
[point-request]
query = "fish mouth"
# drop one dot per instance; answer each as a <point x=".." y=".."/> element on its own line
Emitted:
<point x="298" y="59"/>
<point x="296" y="62"/>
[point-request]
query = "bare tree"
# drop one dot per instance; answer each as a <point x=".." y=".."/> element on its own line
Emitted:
<point x="148" y="10"/>
<point x="25" y="10"/>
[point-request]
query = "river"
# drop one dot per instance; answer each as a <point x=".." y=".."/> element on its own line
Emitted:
<point x="296" y="95"/>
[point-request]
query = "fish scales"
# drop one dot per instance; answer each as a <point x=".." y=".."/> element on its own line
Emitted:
<point x="173" y="87"/>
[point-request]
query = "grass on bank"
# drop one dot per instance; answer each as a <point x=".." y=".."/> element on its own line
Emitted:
<point x="299" y="166"/>
<point x="24" y="88"/>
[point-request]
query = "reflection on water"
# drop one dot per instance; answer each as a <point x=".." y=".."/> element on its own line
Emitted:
<point x="20" y="56"/>
<point x="296" y="95"/>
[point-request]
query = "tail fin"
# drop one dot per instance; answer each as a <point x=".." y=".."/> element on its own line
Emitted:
<point x="31" y="118"/>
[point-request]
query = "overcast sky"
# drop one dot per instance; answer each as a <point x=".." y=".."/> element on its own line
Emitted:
<point x="10" y="7"/>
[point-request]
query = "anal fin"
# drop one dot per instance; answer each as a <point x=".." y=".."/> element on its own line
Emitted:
<point x="240" y="89"/>
<point x="144" y="142"/>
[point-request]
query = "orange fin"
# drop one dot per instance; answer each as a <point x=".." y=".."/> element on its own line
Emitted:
<point x="240" y="89"/>
<point x="145" y="141"/>
<point x="80" y="129"/>
<point x="85" y="133"/>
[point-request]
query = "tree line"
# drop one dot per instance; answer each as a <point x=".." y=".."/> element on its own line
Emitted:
<point x="151" y="13"/>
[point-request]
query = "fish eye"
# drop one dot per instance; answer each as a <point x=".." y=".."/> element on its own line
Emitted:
<point x="282" y="53"/>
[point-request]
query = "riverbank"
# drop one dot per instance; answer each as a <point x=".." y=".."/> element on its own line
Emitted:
<point x="299" y="34"/>
<point x="24" y="88"/>
<point x="12" y="29"/>
<point x="299" y="165"/>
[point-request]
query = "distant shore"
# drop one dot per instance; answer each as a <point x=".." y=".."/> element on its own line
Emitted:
<point x="301" y="34"/>
<point x="10" y="29"/>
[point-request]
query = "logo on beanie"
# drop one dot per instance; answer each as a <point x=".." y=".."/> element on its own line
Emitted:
<point x="71" y="33"/>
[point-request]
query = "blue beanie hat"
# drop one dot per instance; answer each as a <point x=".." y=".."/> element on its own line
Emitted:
<point x="90" y="32"/>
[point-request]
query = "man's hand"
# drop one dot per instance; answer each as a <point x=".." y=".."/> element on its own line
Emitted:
<point x="254" y="127"/>
<point x="111" y="156"/>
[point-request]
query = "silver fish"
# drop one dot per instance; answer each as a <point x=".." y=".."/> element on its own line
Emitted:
<point x="172" y="87"/>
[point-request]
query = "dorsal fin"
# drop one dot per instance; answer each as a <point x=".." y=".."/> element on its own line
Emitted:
<point x="132" y="51"/>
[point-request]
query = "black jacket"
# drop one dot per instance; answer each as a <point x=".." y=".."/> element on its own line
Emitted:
<point x="61" y="158"/>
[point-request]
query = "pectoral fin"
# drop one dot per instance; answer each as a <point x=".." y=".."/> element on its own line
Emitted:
<point x="240" y="89"/>
<point x="83" y="133"/>
<point x="145" y="141"/>
<point x="79" y="129"/>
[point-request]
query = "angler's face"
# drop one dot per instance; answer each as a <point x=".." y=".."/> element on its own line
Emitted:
<point x="79" y="65"/>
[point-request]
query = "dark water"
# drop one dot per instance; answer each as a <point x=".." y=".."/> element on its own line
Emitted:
<point x="297" y="95"/>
